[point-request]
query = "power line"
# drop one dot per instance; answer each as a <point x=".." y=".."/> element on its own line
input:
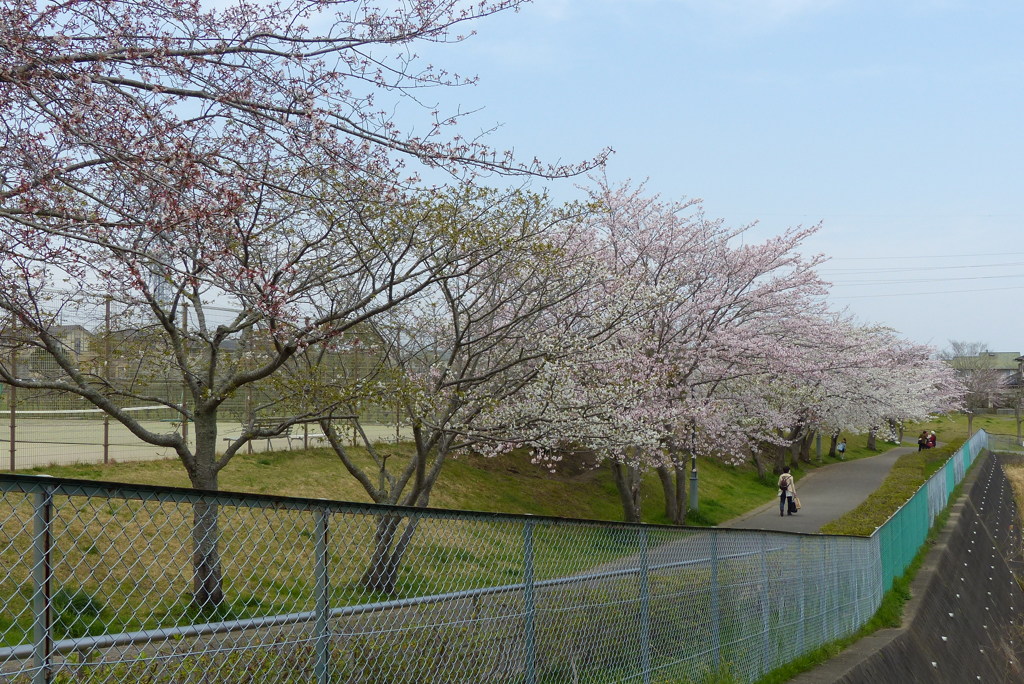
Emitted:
<point x="903" y="269"/>
<point x="927" y="256"/>
<point x="933" y="292"/>
<point x="923" y="280"/>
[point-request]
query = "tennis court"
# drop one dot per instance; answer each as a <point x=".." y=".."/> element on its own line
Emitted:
<point x="64" y="438"/>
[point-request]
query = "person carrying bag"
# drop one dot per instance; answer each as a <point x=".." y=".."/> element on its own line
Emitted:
<point x="787" y="493"/>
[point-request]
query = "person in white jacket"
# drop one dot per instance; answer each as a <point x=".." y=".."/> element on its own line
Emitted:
<point x="787" y="490"/>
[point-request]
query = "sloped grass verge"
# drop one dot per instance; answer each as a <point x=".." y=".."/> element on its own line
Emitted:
<point x="908" y="474"/>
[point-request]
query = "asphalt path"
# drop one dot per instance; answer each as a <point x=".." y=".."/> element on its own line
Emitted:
<point x="825" y="494"/>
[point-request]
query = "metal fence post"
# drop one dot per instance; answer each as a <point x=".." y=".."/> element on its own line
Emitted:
<point x="645" y="606"/>
<point x="833" y="584"/>
<point x="530" y="607"/>
<point x="321" y="666"/>
<point x="824" y="588"/>
<point x="716" y="608"/>
<point x="41" y="574"/>
<point x="802" y="600"/>
<point x="765" y="606"/>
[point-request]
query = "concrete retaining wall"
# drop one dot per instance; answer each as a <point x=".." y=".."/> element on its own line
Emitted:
<point x="965" y="620"/>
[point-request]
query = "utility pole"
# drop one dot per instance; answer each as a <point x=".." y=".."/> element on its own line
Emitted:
<point x="106" y="376"/>
<point x="12" y="400"/>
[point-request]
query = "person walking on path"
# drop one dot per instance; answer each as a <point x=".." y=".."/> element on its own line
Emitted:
<point x="841" y="449"/>
<point x="834" y="490"/>
<point x="787" y="490"/>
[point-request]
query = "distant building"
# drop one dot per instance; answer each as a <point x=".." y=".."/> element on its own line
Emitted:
<point x="75" y="343"/>
<point x="1005" y="364"/>
<point x="992" y="378"/>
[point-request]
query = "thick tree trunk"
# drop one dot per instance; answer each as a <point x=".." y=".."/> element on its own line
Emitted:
<point x="780" y="456"/>
<point x="762" y="469"/>
<point x="668" y="490"/>
<point x="627" y="481"/>
<point x="207" y="589"/>
<point x="796" y="444"/>
<point x="872" y="434"/>
<point x="832" y="442"/>
<point x="382" y="574"/>
<point x="896" y="430"/>
<point x="673" y="486"/>
<point x="794" y="453"/>
<point x="805" y="447"/>
<point x="683" y="503"/>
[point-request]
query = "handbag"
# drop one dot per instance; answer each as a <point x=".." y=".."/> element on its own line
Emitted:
<point x="796" y="502"/>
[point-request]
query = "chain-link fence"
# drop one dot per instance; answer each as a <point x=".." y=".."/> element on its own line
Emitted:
<point x="106" y="583"/>
<point x="32" y="439"/>
<point x="903" y="534"/>
<point x="1005" y="444"/>
<point x="113" y="583"/>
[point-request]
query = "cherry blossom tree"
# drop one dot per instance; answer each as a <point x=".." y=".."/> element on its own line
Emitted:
<point x="248" y="156"/>
<point x="722" y="319"/>
<point x="225" y="306"/>
<point x="869" y="378"/>
<point x="487" y="360"/>
<point x="737" y="352"/>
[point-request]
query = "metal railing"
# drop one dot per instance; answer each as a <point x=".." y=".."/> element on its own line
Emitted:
<point x="114" y="583"/>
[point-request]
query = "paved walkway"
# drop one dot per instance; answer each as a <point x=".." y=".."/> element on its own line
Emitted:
<point x="825" y="494"/>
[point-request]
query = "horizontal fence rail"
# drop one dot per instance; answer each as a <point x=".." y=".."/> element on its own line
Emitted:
<point x="108" y="640"/>
<point x="114" y="583"/>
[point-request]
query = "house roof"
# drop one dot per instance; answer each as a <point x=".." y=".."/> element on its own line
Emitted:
<point x="996" y="360"/>
<point x="68" y="328"/>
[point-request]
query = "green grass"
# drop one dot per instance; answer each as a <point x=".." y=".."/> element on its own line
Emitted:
<point x="511" y="484"/>
<point x="912" y="470"/>
<point x="908" y="474"/>
<point x="506" y="484"/>
<point x="952" y="428"/>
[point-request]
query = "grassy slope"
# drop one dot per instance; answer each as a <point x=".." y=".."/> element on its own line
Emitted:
<point x="953" y="428"/>
<point x="509" y="484"/>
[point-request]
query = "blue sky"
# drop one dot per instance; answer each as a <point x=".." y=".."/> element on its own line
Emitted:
<point x="897" y="125"/>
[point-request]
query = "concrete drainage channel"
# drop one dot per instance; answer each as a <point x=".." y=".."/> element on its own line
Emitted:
<point x="965" y="620"/>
